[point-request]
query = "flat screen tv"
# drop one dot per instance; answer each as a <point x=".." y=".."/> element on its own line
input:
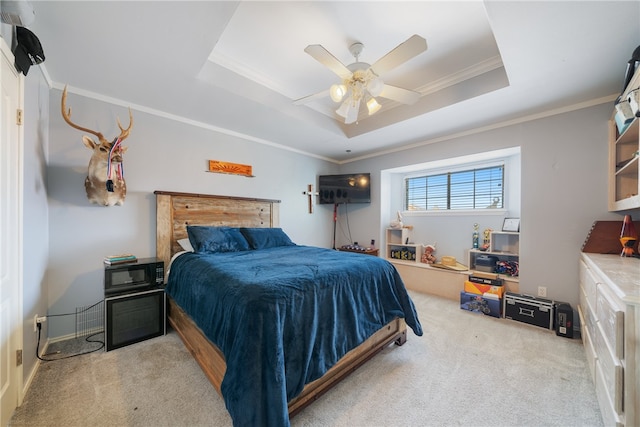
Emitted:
<point x="347" y="188"/>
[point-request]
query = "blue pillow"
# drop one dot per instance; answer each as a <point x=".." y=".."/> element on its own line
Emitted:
<point x="263" y="238"/>
<point x="216" y="239"/>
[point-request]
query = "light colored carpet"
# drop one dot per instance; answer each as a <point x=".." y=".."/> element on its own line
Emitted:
<point x="467" y="370"/>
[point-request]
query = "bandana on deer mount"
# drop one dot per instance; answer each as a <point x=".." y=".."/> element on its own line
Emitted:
<point x="104" y="184"/>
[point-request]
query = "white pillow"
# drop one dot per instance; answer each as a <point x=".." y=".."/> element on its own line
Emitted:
<point x="186" y="245"/>
<point x="176" y="255"/>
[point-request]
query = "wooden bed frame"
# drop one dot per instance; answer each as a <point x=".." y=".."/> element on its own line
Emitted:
<point x="174" y="211"/>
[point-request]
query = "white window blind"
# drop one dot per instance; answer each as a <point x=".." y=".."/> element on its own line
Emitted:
<point x="478" y="188"/>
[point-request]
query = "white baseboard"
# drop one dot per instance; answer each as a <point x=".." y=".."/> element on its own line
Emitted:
<point x="36" y="366"/>
<point x="62" y="338"/>
<point x="26" y="384"/>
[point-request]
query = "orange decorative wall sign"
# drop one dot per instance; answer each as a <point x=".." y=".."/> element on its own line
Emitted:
<point x="232" y="168"/>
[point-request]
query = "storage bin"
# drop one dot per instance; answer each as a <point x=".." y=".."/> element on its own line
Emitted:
<point x="486" y="263"/>
<point x="528" y="309"/>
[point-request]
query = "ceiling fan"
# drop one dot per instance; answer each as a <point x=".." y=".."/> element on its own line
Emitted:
<point x="361" y="82"/>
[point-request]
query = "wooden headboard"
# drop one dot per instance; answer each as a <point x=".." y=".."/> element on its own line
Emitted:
<point x="174" y="211"/>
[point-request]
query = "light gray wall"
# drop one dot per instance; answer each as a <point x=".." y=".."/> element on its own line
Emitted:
<point x="563" y="190"/>
<point x="35" y="208"/>
<point x="162" y="154"/>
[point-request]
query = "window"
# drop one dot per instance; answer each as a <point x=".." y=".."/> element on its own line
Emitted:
<point x="469" y="189"/>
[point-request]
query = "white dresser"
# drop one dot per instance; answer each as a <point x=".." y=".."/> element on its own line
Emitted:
<point x="610" y="316"/>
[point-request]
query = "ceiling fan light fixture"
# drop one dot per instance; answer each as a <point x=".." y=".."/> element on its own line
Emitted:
<point x="343" y="110"/>
<point x="375" y="85"/>
<point x="349" y="110"/>
<point x="360" y="81"/>
<point x="352" y="114"/>
<point x="337" y="92"/>
<point x="373" y="106"/>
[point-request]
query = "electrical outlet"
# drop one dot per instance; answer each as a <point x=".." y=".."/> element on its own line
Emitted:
<point x="37" y="320"/>
<point x="542" y="291"/>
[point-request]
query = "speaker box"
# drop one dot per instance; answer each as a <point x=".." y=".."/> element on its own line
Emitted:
<point x="564" y="319"/>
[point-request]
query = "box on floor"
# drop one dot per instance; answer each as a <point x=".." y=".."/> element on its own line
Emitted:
<point x="488" y="304"/>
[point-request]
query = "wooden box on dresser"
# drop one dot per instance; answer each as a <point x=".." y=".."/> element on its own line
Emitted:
<point x="609" y="312"/>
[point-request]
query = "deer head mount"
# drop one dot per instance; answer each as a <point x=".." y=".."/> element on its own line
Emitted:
<point x="105" y="183"/>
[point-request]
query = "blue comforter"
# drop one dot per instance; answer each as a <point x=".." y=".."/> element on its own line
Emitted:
<point x="283" y="316"/>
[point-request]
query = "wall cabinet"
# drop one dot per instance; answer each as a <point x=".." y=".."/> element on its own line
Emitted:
<point x="624" y="182"/>
<point x="504" y="245"/>
<point x="399" y="248"/>
<point x="609" y="313"/>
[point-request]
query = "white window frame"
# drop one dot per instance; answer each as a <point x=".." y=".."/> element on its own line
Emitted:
<point x="458" y="167"/>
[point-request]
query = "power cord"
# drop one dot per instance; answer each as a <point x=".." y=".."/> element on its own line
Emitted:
<point x="71" y="314"/>
<point x="71" y="355"/>
<point x="347" y="233"/>
<point x="39" y="325"/>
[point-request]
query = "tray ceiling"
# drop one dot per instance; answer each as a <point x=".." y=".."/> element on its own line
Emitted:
<point x="238" y="67"/>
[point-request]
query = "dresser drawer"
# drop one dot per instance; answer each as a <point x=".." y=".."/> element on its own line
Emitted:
<point x="611" y="319"/>
<point x="609" y="415"/>
<point x="588" y="281"/>
<point x="589" y="349"/>
<point x="588" y="313"/>
<point x="612" y="370"/>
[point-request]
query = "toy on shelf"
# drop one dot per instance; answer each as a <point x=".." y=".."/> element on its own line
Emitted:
<point x="427" y="256"/>
<point x="486" y="242"/>
<point x="476" y="236"/>
<point x="398" y="222"/>
<point x="628" y="236"/>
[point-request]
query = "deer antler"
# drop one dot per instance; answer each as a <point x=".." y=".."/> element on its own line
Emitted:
<point x="124" y="133"/>
<point x="67" y="118"/>
<point x="66" y="114"/>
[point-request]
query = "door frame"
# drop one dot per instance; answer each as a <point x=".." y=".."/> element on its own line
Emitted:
<point x="18" y="262"/>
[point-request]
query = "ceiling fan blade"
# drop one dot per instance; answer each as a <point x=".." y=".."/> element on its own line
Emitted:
<point x="324" y="57"/>
<point x="310" y="98"/>
<point x="399" y="94"/>
<point x="414" y="46"/>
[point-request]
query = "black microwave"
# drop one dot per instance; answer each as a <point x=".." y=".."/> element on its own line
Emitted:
<point x="143" y="274"/>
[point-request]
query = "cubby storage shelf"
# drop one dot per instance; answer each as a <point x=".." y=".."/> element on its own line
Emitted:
<point x="624" y="174"/>
<point x="399" y="248"/>
<point x="505" y="245"/>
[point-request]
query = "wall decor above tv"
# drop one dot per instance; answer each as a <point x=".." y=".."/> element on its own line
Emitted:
<point x="346" y="188"/>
